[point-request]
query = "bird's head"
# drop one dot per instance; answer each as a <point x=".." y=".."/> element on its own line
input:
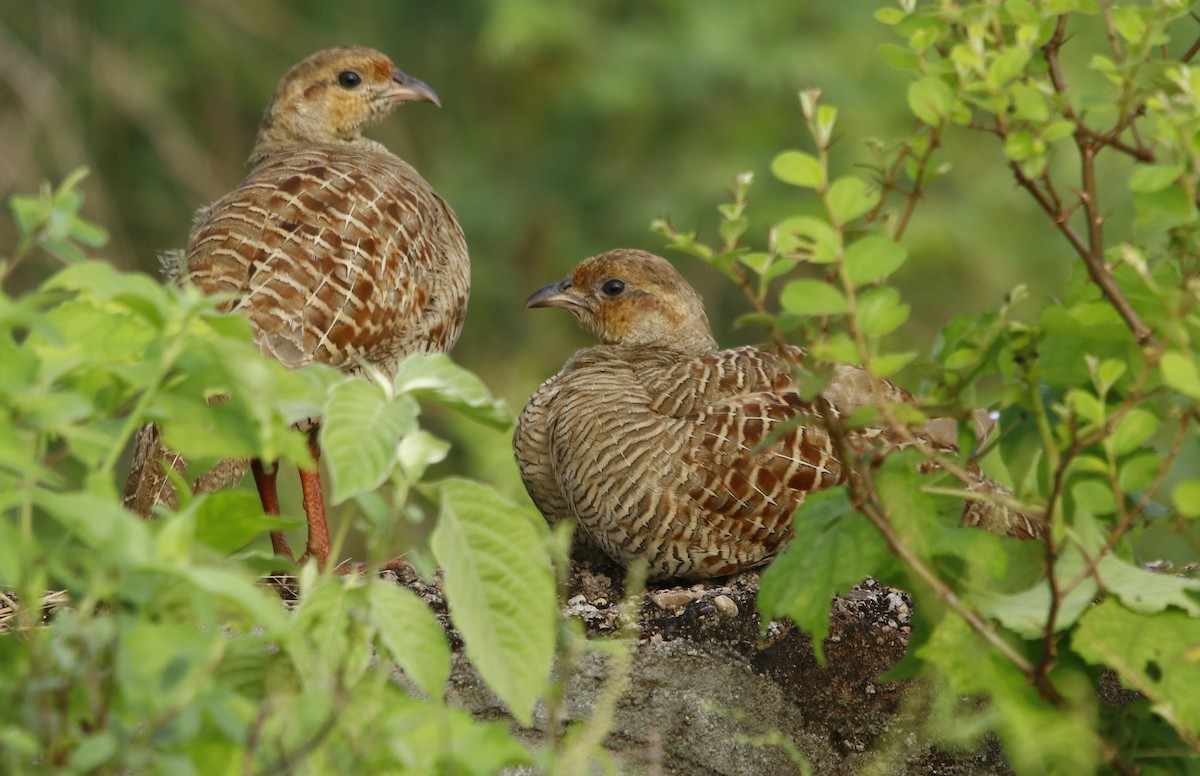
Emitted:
<point x="331" y="96"/>
<point x="634" y="298"/>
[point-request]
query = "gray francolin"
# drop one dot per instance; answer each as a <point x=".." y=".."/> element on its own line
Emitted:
<point x="672" y="452"/>
<point x="336" y="250"/>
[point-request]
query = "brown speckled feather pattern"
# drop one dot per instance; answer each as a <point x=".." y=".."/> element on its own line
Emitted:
<point x="691" y="459"/>
<point x="657" y="455"/>
<point x="337" y="255"/>
<point x="336" y="250"/>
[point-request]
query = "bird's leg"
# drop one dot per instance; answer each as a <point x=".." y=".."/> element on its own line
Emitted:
<point x="264" y="479"/>
<point x="314" y="505"/>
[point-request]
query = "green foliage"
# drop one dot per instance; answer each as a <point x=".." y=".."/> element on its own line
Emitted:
<point x="1093" y="109"/>
<point x="170" y="654"/>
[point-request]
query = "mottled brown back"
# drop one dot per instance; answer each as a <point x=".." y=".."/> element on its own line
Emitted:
<point x="657" y="456"/>
<point x="335" y="255"/>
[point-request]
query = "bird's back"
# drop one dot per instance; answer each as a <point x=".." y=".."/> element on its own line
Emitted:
<point x="661" y="457"/>
<point x="338" y="255"/>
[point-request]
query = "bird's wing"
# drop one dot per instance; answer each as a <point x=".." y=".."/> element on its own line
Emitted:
<point x="531" y="448"/>
<point x="691" y="493"/>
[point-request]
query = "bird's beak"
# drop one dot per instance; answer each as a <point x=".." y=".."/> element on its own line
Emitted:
<point x="560" y="294"/>
<point x="405" y="88"/>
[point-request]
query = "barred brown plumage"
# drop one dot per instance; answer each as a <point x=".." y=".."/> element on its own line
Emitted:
<point x="672" y="452"/>
<point x="336" y="250"/>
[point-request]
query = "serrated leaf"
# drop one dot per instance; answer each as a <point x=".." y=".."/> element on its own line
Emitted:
<point x="1156" y="653"/>
<point x="798" y="169"/>
<point x="500" y="589"/>
<point x="931" y="100"/>
<point x="411" y="634"/>
<point x="1025" y="613"/>
<point x="1146" y="591"/>
<point x="873" y="258"/>
<point x="832" y="549"/>
<point x="360" y="433"/>
<point x="435" y="377"/>
<point x="849" y="198"/>
<point x="812" y="297"/>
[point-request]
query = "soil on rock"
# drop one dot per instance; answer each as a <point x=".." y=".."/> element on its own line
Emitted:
<point x="710" y="693"/>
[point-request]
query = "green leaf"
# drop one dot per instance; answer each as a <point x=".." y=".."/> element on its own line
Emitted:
<point x="899" y="57"/>
<point x="1095" y="496"/>
<point x="1187" y="498"/>
<point x="500" y="589"/>
<point x="1026" y="613"/>
<point x="798" y="169"/>
<point x="1029" y="104"/>
<point x="931" y="100"/>
<point x="436" y="378"/>
<point x="99" y="522"/>
<point x="360" y="434"/>
<point x="1129" y="23"/>
<point x="1180" y="373"/>
<point x="1152" y="653"/>
<point x="1008" y="65"/>
<point x="1022" y="11"/>
<point x="837" y="348"/>
<point x="1145" y="591"/>
<point x="832" y="549"/>
<point x="1147" y="178"/>
<point x="1134" y="430"/>
<point x="93" y="751"/>
<point x="849" y="198"/>
<point x="1163" y="209"/>
<point x="231" y="519"/>
<point x="890" y="364"/>
<point x="412" y="636"/>
<point x="881" y="312"/>
<point x="812" y="297"/>
<point x="873" y="258"/>
<point x="815" y="236"/>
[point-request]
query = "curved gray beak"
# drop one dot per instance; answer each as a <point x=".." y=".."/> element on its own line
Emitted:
<point x="405" y="88"/>
<point x="558" y="294"/>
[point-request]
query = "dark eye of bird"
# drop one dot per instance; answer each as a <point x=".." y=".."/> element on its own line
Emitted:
<point x="349" y="79"/>
<point x="613" y="287"/>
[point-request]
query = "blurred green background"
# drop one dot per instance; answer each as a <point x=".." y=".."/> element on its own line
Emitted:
<point x="567" y="128"/>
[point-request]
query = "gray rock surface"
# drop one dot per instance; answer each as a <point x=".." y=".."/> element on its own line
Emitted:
<point x="707" y="694"/>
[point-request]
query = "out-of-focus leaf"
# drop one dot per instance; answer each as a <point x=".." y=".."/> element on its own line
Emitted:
<point x="833" y="549"/>
<point x="873" y="258"/>
<point x="1155" y="652"/>
<point x="931" y="100"/>
<point x="798" y="169"/>
<point x="411" y="635"/>
<point x="500" y="589"/>
<point x="812" y="297"/>
<point x="434" y="377"/>
<point x="849" y="198"/>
